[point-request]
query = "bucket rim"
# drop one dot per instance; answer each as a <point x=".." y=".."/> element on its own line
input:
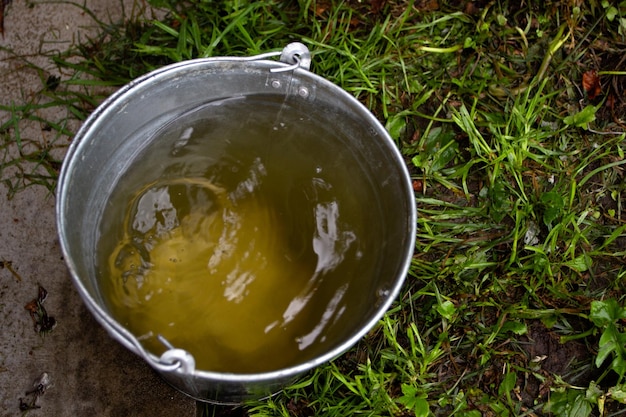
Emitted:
<point x="124" y="336"/>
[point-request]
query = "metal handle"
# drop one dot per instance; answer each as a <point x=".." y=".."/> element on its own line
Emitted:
<point x="295" y="54"/>
<point x="171" y="360"/>
<point x="176" y="358"/>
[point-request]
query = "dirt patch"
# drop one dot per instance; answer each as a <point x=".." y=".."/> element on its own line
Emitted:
<point x="547" y="356"/>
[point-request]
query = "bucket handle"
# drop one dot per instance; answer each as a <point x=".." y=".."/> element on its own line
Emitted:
<point x="295" y="55"/>
<point x="171" y="360"/>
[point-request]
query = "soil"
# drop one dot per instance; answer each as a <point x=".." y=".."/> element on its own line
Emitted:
<point x="545" y="351"/>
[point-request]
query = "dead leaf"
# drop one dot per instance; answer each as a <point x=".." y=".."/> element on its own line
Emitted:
<point x="43" y="322"/>
<point x="591" y="84"/>
<point x="32" y="308"/>
<point x="40" y="386"/>
<point x="378" y="5"/>
<point x="427" y="5"/>
<point x="321" y="8"/>
<point x="471" y="9"/>
<point x="42" y="294"/>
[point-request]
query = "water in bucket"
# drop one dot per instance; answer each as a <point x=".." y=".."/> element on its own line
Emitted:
<point x="239" y="234"/>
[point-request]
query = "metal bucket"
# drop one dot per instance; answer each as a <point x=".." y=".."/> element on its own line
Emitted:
<point x="122" y="136"/>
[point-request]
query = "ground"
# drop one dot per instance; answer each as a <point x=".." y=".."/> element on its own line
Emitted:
<point x="89" y="373"/>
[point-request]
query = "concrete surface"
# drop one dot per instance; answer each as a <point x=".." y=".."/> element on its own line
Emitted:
<point x="88" y="373"/>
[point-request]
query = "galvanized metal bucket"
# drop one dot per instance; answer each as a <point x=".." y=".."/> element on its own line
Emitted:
<point x="108" y="143"/>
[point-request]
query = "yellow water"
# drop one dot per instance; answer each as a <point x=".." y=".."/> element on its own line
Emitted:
<point x="209" y="282"/>
<point x="240" y="243"/>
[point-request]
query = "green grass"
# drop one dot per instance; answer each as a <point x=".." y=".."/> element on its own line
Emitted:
<point x="33" y="157"/>
<point x="514" y="304"/>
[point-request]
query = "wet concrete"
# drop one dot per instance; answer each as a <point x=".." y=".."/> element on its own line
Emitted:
<point x="88" y="373"/>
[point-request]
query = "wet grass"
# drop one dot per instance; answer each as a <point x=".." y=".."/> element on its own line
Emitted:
<point x="511" y="119"/>
<point x="31" y="142"/>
